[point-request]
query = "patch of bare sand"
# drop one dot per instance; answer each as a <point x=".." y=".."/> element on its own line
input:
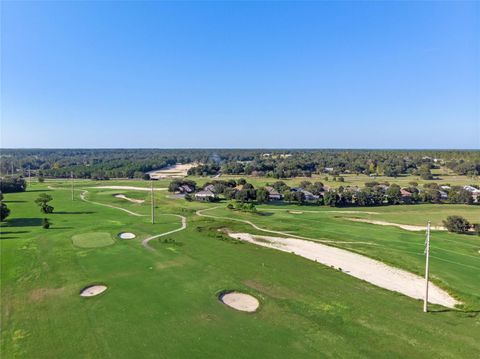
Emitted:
<point x="175" y="171"/>
<point x="240" y="301"/>
<point x="133" y="200"/>
<point x="127" y="235"/>
<point x="93" y="290"/>
<point x="407" y="227"/>
<point x="356" y="265"/>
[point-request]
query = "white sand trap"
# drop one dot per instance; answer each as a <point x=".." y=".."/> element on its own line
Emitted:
<point x="240" y="301"/>
<point x="356" y="265"/>
<point x="407" y="227"/>
<point x="127" y="235"/>
<point x="133" y="200"/>
<point x="295" y="212"/>
<point x="131" y="188"/>
<point x="175" y="171"/>
<point x="93" y="290"/>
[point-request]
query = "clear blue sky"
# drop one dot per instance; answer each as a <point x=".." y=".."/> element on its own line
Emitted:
<point x="240" y="74"/>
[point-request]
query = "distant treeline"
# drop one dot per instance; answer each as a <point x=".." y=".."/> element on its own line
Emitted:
<point x="133" y="163"/>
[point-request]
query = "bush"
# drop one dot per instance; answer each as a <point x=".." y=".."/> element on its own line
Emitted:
<point x="12" y="184"/>
<point x="456" y="224"/>
<point x="4" y="210"/>
<point x="45" y="223"/>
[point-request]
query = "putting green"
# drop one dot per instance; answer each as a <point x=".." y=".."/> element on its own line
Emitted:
<point x="92" y="239"/>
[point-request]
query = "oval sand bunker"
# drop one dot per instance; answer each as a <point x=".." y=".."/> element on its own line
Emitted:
<point x="93" y="290"/>
<point x="127" y="235"/>
<point x="240" y="301"/>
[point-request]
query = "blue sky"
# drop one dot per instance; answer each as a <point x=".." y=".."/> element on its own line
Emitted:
<point x="240" y="74"/>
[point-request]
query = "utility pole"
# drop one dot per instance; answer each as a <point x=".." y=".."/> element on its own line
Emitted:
<point x="153" y="202"/>
<point x="73" y="185"/>
<point x="427" y="255"/>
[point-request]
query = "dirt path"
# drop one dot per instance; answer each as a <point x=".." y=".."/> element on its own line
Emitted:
<point x="356" y="265"/>
<point x="202" y="214"/>
<point x="82" y="196"/>
<point x="133" y="200"/>
<point x="183" y="226"/>
<point x="407" y="227"/>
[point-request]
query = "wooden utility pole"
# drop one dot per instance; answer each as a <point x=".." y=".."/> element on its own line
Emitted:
<point x="73" y="185"/>
<point x="427" y="256"/>
<point x="153" y="202"/>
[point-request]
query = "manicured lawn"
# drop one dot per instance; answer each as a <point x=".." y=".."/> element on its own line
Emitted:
<point x="163" y="303"/>
<point x="92" y="239"/>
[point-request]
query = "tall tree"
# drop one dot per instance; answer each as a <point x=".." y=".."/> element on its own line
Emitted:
<point x="42" y="201"/>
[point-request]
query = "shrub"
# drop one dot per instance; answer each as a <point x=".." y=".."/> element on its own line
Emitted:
<point x="45" y="223"/>
<point x="456" y="224"/>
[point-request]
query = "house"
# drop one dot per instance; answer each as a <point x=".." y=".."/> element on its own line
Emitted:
<point x="273" y="194"/>
<point x="471" y="189"/>
<point x="309" y="196"/>
<point x="210" y="187"/>
<point x="474" y="191"/>
<point x="383" y="187"/>
<point x="405" y="194"/>
<point x="185" y="189"/>
<point x="443" y="195"/>
<point x="205" y="195"/>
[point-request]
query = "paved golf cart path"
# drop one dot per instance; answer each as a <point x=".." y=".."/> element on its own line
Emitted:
<point x="356" y="265"/>
<point x="183" y="226"/>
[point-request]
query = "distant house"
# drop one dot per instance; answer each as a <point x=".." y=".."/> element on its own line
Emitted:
<point x="273" y="194"/>
<point x="405" y="194"/>
<point x="328" y="169"/>
<point x="185" y="189"/>
<point x="210" y="187"/>
<point x="474" y="191"/>
<point x="309" y="196"/>
<point x="443" y="195"/>
<point x="205" y="195"/>
<point x="384" y="187"/>
<point x="471" y="189"/>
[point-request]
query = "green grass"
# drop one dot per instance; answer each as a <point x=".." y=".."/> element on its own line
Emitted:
<point x="163" y="303"/>
<point x="92" y="239"/>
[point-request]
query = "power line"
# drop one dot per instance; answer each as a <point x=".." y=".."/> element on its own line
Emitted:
<point x="153" y="202"/>
<point x="427" y="254"/>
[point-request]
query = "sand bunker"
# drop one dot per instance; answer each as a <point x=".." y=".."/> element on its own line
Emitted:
<point x="93" y="290"/>
<point x="295" y="212"/>
<point x="356" y="265"/>
<point x="133" y="200"/>
<point x="176" y="171"/>
<point x="240" y="301"/>
<point x="407" y="227"/>
<point x="127" y="235"/>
